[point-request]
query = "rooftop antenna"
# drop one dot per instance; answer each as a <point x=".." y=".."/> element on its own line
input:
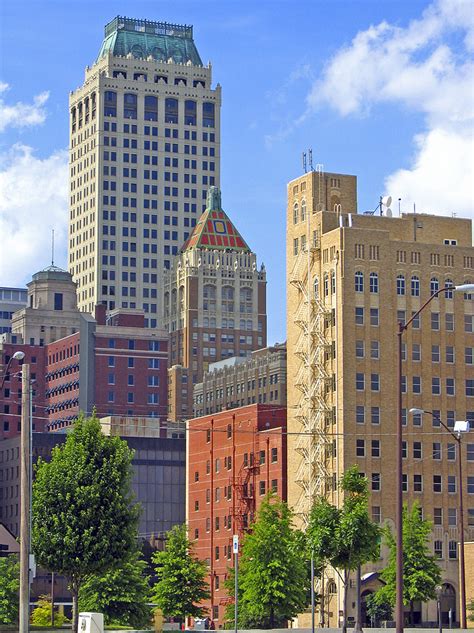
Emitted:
<point x="319" y="171"/>
<point x="384" y="204"/>
<point x="304" y="162"/>
<point x="310" y="154"/>
<point x="399" y="207"/>
<point x="52" y="247"/>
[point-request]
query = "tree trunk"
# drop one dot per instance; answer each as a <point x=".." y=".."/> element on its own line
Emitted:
<point x="75" y="610"/>
<point x="411" y="612"/>
<point x="358" y="620"/>
<point x="344" y="604"/>
<point x="272" y="618"/>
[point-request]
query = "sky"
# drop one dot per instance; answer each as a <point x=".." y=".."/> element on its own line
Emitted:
<point x="377" y="88"/>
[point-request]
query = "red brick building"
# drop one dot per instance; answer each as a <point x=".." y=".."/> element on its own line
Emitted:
<point x="233" y="459"/>
<point x="10" y="395"/>
<point x="113" y="364"/>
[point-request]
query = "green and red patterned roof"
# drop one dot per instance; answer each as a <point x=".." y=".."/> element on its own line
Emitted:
<point x="214" y="230"/>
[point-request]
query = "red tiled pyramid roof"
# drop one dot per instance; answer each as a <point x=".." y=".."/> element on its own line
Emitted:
<point x="214" y="230"/>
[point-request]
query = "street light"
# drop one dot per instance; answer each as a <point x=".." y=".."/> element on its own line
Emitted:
<point x="24" y="610"/>
<point x="16" y="356"/>
<point x="460" y="427"/>
<point x="402" y="327"/>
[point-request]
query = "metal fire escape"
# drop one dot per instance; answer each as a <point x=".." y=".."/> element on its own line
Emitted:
<point x="313" y="381"/>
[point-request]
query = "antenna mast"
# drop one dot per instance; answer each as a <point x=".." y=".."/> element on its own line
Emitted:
<point x="52" y="247"/>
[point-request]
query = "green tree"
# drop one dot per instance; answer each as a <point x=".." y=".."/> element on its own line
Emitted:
<point x="345" y="537"/>
<point x="421" y="572"/>
<point x="84" y="519"/>
<point x="41" y="615"/>
<point x="181" y="577"/>
<point x="121" y="593"/>
<point x="9" y="589"/>
<point x="273" y="573"/>
<point x="378" y="609"/>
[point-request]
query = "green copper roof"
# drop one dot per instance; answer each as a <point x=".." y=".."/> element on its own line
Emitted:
<point x="214" y="230"/>
<point x="142" y="38"/>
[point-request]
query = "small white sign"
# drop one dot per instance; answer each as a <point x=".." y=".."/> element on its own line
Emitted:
<point x="235" y="544"/>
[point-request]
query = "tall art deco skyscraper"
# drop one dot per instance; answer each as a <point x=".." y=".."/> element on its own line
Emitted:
<point x="144" y="149"/>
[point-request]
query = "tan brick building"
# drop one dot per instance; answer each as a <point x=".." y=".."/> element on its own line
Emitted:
<point x="214" y="303"/>
<point x="237" y="382"/>
<point x="350" y="278"/>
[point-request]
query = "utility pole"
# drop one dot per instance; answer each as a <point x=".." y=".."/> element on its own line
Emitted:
<point x="25" y="499"/>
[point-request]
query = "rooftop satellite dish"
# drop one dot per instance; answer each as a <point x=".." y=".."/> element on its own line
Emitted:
<point x="388" y="213"/>
<point x="384" y="204"/>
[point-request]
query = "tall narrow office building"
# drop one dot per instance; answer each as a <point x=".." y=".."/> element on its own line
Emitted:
<point x="144" y="148"/>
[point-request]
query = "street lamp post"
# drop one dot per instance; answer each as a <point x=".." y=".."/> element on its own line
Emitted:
<point x="16" y="356"/>
<point x="24" y="610"/>
<point x="460" y="427"/>
<point x="25" y="496"/>
<point x="402" y="327"/>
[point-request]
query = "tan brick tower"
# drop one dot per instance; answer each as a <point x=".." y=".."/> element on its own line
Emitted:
<point x="144" y="149"/>
<point x="350" y="278"/>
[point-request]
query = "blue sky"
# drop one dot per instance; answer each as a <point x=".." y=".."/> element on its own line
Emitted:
<point x="376" y="88"/>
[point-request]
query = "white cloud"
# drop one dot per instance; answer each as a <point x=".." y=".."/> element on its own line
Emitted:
<point x="22" y="114"/>
<point x="441" y="178"/>
<point x="426" y="67"/>
<point x="33" y="201"/>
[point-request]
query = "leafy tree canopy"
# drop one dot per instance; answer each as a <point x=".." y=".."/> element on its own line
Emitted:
<point x="41" y="614"/>
<point x="84" y="519"/>
<point x="421" y="572"/>
<point x="273" y="575"/>
<point x="181" y="584"/>
<point x="9" y="589"/>
<point x="121" y="594"/>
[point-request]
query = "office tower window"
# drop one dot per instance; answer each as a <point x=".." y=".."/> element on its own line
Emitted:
<point x="374" y="283"/>
<point x="415" y="286"/>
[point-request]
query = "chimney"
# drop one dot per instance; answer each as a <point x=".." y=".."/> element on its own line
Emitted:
<point x="100" y="313"/>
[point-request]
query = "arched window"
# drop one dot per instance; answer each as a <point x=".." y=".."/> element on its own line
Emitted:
<point x="415" y="286"/>
<point x="374" y="283"/>
<point x="333" y="282"/>
<point x="227" y="299"/>
<point x="137" y="51"/>
<point x="331" y="587"/>
<point x="73" y="119"/>
<point x="303" y="210"/>
<point x="110" y="103"/>
<point x="208" y="114"/>
<point x="400" y="284"/>
<point x="246" y="300"/>
<point x="87" y="109"/>
<point x="171" y="110"/>
<point x="209" y="296"/>
<point x="316" y="287"/>
<point x="151" y="108"/>
<point x="130" y="105"/>
<point x="173" y="301"/>
<point x="359" y="281"/>
<point x="467" y="295"/>
<point x="326" y="285"/>
<point x="190" y="112"/>
<point x="434" y="285"/>
<point x="449" y="293"/>
<point x="295" y="213"/>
